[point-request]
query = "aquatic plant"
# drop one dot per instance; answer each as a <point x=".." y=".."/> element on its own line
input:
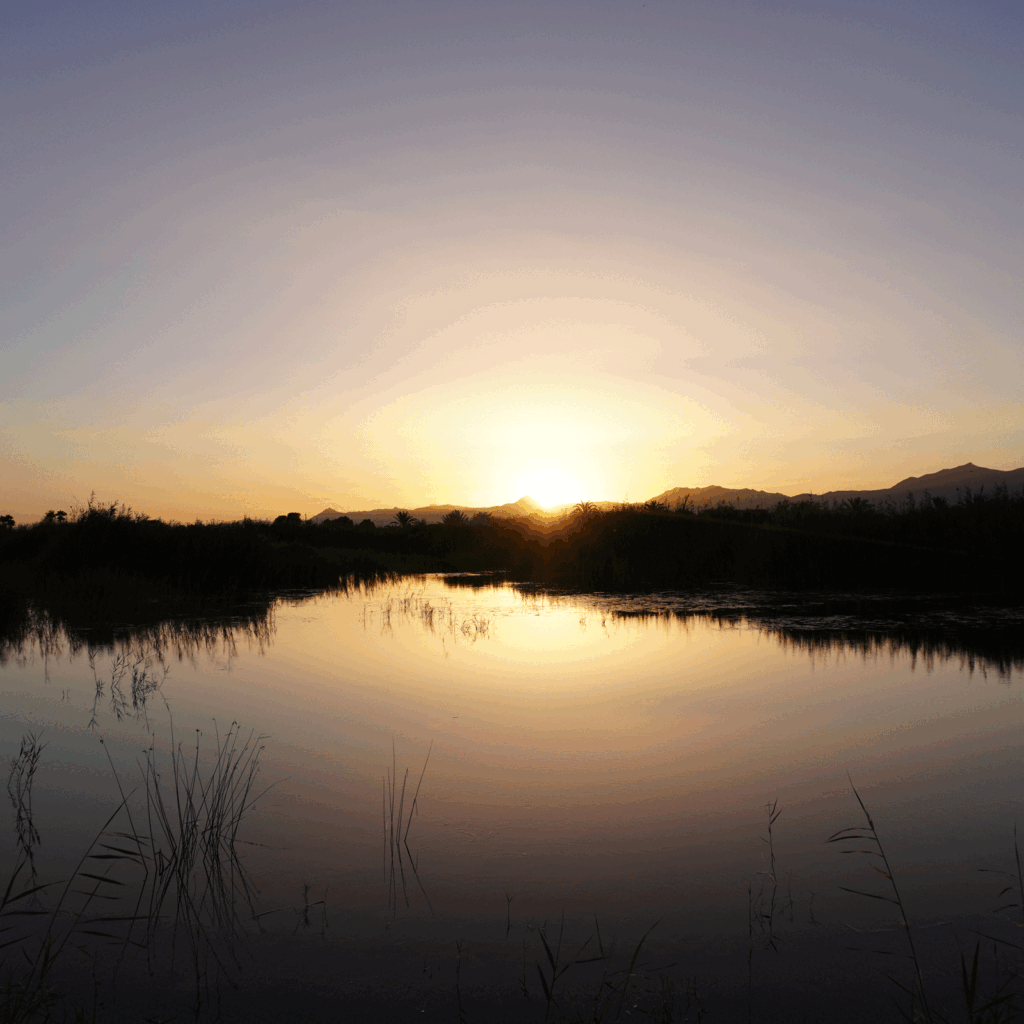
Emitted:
<point x="397" y="823"/>
<point x="997" y="1006"/>
<point x="175" y="863"/>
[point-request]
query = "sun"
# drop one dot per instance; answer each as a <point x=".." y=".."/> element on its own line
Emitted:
<point x="549" y="486"/>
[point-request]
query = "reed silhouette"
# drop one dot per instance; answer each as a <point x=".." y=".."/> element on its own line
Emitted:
<point x="163" y="872"/>
<point x="157" y="881"/>
<point x="397" y="823"/>
<point x="102" y="551"/>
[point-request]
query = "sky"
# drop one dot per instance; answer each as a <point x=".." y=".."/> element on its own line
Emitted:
<point x="272" y="257"/>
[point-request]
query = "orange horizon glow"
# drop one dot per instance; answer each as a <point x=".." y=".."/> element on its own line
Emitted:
<point x="423" y="260"/>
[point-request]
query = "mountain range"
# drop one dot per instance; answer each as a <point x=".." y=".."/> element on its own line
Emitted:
<point x="522" y="508"/>
<point x="946" y="483"/>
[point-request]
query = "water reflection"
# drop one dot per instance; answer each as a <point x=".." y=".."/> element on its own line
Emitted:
<point x="131" y="685"/>
<point x="30" y="630"/>
<point x="624" y="755"/>
<point x="928" y="629"/>
<point x="440" y="618"/>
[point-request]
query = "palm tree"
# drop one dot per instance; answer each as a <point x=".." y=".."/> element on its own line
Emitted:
<point x="455" y="518"/>
<point x="403" y="519"/>
<point x="857" y="506"/>
<point x="584" y="508"/>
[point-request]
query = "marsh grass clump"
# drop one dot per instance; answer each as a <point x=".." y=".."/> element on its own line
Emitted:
<point x="995" y="1003"/>
<point x="161" y="893"/>
<point x="155" y="880"/>
<point x="606" y="1000"/>
<point x="440" y="619"/>
<point x="35" y="938"/>
<point x="188" y="843"/>
<point x="142" y="682"/>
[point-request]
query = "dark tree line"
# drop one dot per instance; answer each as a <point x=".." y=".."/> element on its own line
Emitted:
<point x="975" y="545"/>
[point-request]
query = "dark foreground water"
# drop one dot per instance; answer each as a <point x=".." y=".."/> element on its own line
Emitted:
<point x="600" y="767"/>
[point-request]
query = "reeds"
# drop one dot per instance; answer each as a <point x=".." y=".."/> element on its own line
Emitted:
<point x="397" y="823"/>
<point x="872" y="847"/>
<point x="26" y="994"/>
<point x="190" y="840"/>
<point x="19" y="788"/>
<point x="973" y="545"/>
<point x="606" y="998"/>
<point x="143" y="683"/>
<point x="998" y="1006"/>
<point x="176" y="863"/>
<point x="172" y="870"/>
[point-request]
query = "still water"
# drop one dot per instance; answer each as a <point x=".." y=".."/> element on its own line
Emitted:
<point x="587" y="755"/>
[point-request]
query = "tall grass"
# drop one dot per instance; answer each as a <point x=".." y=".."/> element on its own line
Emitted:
<point x="19" y="788"/>
<point x="186" y="840"/>
<point x="165" y="867"/>
<point x="26" y="991"/>
<point x="998" y="1006"/>
<point x="171" y="871"/>
<point x="106" y="551"/>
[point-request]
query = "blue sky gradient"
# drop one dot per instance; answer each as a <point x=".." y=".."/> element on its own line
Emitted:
<point x="265" y="257"/>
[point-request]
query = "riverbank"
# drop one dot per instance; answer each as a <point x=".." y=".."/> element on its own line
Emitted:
<point x="108" y="554"/>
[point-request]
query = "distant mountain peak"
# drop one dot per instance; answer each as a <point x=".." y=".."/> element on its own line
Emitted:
<point x="944" y="483"/>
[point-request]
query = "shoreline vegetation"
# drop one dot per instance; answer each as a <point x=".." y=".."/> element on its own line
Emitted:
<point x="109" y="562"/>
<point x="159" y="920"/>
<point x="198" y="584"/>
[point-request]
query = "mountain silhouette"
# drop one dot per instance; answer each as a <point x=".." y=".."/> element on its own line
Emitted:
<point x="946" y="483"/>
<point x="525" y="506"/>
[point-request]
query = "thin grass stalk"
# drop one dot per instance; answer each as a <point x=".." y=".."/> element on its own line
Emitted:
<point x="391" y="828"/>
<point x="397" y="811"/>
<point x="132" y="836"/>
<point x="398" y="844"/>
<point x="773" y="814"/>
<point x="19" y="787"/>
<point x="55" y="939"/>
<point x="870" y="834"/>
<point x="632" y="966"/>
<point x="416" y="795"/>
<point x="199" y="827"/>
<point x="458" y="981"/>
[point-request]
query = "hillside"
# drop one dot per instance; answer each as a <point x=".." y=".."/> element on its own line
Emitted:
<point x="525" y="506"/>
<point x="946" y="483"/>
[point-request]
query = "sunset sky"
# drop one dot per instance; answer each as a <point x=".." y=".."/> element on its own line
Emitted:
<point x="270" y="257"/>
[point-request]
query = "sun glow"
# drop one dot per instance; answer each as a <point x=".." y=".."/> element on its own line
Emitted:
<point x="549" y="487"/>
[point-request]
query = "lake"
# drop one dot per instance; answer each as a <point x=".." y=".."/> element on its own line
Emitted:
<point x="668" y="760"/>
